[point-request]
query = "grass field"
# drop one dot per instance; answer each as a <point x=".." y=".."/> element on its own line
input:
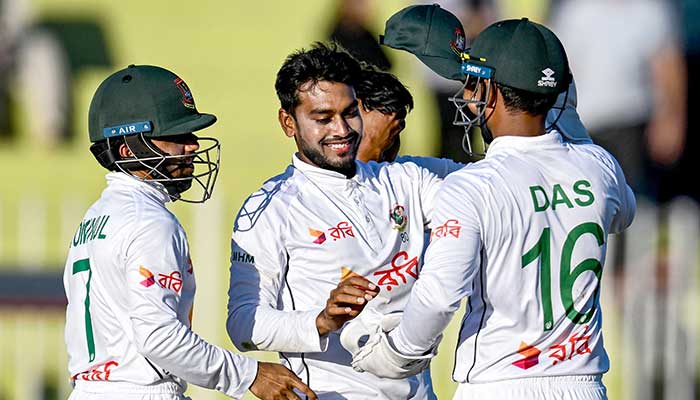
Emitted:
<point x="228" y="52"/>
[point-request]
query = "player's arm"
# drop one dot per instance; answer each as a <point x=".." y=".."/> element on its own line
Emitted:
<point x="628" y="204"/>
<point x="158" y="250"/>
<point x="429" y="189"/>
<point x="452" y="261"/>
<point x="258" y="268"/>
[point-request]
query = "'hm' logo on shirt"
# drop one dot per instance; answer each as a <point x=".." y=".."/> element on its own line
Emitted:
<point x="243" y="257"/>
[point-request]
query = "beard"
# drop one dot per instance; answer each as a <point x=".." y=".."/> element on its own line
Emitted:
<point x="344" y="165"/>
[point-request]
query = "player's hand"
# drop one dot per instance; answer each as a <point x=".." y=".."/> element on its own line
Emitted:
<point x="379" y="357"/>
<point x="276" y="382"/>
<point x="345" y="303"/>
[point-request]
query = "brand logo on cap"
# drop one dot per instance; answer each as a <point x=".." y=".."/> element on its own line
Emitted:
<point x="187" y="99"/>
<point x="547" y="79"/>
<point x="127" y="129"/>
<point x="475" y="70"/>
<point x="457" y="45"/>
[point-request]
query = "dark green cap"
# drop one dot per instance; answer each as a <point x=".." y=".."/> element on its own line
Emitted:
<point x="144" y="99"/>
<point x="521" y="54"/>
<point x="432" y="34"/>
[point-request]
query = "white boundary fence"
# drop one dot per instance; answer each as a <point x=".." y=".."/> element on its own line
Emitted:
<point x="651" y="308"/>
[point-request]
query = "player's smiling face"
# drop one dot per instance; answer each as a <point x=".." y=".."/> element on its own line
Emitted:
<point x="326" y="126"/>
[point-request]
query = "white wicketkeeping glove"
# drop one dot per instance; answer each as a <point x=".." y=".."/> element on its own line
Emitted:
<point x="377" y="355"/>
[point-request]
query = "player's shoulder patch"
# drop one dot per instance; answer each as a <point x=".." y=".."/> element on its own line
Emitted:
<point x="259" y="201"/>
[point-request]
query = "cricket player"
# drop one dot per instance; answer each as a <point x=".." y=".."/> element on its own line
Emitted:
<point x="129" y="278"/>
<point x="522" y="233"/>
<point x="327" y="238"/>
<point x="436" y="37"/>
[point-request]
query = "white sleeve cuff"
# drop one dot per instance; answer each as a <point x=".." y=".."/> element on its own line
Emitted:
<point x="398" y="342"/>
<point x="312" y="341"/>
<point x="248" y="368"/>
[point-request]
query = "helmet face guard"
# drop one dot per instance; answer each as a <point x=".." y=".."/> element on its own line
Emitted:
<point x="476" y="89"/>
<point x="475" y="92"/>
<point x="159" y="165"/>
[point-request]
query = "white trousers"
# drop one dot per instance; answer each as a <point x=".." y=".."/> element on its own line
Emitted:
<point x="584" y="387"/>
<point x="84" y="390"/>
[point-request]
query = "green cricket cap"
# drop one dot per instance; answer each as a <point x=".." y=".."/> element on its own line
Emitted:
<point x="144" y="99"/>
<point x="432" y="34"/>
<point x="521" y="54"/>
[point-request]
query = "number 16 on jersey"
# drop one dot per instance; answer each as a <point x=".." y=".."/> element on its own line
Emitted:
<point x="567" y="277"/>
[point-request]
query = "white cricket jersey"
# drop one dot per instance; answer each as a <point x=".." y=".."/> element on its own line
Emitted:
<point x="439" y="166"/>
<point x="523" y="233"/>
<point x="130" y="287"/>
<point x="298" y="237"/>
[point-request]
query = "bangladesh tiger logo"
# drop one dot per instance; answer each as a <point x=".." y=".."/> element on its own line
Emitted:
<point x="187" y="98"/>
<point x="459" y="42"/>
<point x="399" y="218"/>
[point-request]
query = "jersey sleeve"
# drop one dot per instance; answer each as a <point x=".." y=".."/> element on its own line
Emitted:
<point x="258" y="266"/>
<point x="628" y="204"/>
<point x="427" y="184"/>
<point x="452" y="261"/>
<point x="160" y="248"/>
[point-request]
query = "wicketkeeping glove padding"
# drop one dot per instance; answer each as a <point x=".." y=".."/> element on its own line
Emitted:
<point x="377" y="355"/>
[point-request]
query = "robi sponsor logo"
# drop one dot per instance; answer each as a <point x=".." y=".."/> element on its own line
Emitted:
<point x="401" y="265"/>
<point x="150" y="279"/>
<point x="531" y="355"/>
<point x="319" y="235"/>
<point x="451" y="227"/>
<point x="99" y="373"/>
<point x="341" y="231"/>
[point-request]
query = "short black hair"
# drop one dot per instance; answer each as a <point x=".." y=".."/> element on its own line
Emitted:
<point x="384" y="92"/>
<point x="323" y="62"/>
<point x="525" y="101"/>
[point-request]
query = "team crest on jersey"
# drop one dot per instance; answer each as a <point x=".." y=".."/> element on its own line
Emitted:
<point x="459" y="42"/>
<point x="319" y="236"/>
<point x="150" y="279"/>
<point x="398" y="217"/>
<point x="187" y="98"/>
